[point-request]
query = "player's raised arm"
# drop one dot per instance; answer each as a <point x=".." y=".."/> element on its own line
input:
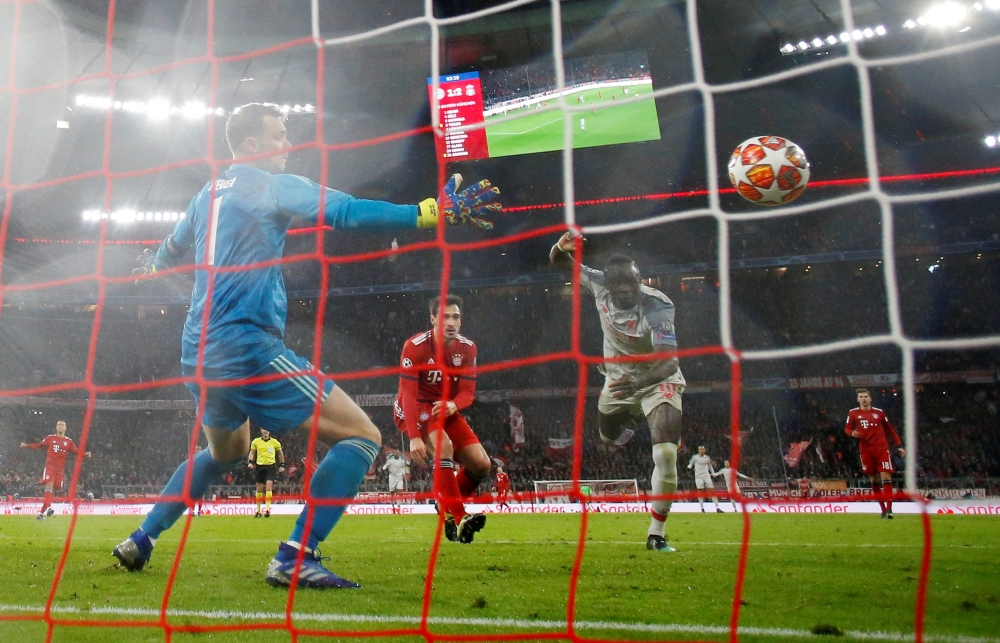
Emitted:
<point x="561" y="254"/>
<point x="300" y="197"/>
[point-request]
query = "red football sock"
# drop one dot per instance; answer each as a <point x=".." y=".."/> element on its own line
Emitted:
<point x="877" y="489"/>
<point x="466" y="483"/>
<point x="450" y="497"/>
<point x="887" y="489"/>
<point x="48" y="501"/>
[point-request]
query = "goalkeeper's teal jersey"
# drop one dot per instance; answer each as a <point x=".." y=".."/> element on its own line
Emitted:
<point x="243" y="221"/>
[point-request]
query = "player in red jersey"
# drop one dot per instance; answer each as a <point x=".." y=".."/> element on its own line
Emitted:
<point x="871" y="426"/>
<point x="503" y="487"/>
<point x="57" y="446"/>
<point x="426" y="416"/>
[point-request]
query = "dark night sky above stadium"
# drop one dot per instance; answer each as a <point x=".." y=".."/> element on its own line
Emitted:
<point x="930" y="116"/>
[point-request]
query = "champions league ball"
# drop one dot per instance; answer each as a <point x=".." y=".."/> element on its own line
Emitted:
<point x="769" y="170"/>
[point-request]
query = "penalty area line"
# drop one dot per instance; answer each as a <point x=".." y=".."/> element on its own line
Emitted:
<point x="528" y="624"/>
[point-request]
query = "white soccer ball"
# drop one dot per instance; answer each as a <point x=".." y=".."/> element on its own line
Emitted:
<point x="769" y="170"/>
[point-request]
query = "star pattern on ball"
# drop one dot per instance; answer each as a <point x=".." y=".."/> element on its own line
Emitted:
<point x="770" y="193"/>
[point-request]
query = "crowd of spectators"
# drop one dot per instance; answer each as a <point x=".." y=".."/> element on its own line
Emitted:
<point x="537" y="78"/>
<point x="47" y="346"/>
<point x="956" y="432"/>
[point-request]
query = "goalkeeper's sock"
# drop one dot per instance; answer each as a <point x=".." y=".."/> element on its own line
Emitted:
<point x="339" y="475"/>
<point x="467" y="483"/>
<point x="664" y="482"/>
<point x="257" y="496"/>
<point x="267" y="500"/>
<point x="444" y="475"/>
<point x="887" y="490"/>
<point x="206" y="472"/>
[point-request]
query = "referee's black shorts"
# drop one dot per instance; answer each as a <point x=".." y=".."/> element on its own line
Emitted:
<point x="265" y="473"/>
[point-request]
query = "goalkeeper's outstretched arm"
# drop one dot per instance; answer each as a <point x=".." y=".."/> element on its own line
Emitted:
<point x="300" y="197"/>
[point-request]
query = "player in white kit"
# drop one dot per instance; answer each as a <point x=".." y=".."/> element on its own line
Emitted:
<point x="703" y="472"/>
<point x="732" y="477"/>
<point x="396" y="466"/>
<point x="636" y="320"/>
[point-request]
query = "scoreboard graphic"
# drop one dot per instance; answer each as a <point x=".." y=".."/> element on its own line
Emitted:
<point x="460" y="103"/>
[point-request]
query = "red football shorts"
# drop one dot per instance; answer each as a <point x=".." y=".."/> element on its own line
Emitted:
<point x="455" y="427"/>
<point x="875" y="461"/>
<point x="55" y="476"/>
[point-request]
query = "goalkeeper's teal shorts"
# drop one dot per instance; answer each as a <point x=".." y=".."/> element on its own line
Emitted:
<point x="278" y="405"/>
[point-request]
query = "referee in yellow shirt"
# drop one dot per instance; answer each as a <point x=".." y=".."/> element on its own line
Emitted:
<point x="264" y="452"/>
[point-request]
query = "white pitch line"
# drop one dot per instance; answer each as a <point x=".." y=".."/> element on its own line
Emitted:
<point x="572" y="543"/>
<point x="527" y="130"/>
<point x="528" y="624"/>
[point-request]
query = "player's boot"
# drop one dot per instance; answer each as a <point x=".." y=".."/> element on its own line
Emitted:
<point x="133" y="553"/>
<point x="40" y="516"/>
<point x="883" y="514"/>
<point x="658" y="543"/>
<point x="257" y="515"/>
<point x="312" y="573"/>
<point x="49" y="512"/>
<point x="719" y="510"/>
<point x="450" y="528"/>
<point x="471" y="523"/>
<point x="267" y="514"/>
<point x="888" y="514"/>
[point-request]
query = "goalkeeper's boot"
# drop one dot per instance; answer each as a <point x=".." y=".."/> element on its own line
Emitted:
<point x="133" y="553"/>
<point x="257" y="515"/>
<point x="658" y="543"/>
<point x="267" y="514"/>
<point x="883" y="515"/>
<point x="471" y="523"/>
<point x="888" y="514"/>
<point x="312" y="574"/>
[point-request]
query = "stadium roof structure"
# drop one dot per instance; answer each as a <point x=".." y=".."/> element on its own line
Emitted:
<point x="931" y="116"/>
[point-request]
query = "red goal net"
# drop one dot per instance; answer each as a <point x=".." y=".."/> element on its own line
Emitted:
<point x="119" y="110"/>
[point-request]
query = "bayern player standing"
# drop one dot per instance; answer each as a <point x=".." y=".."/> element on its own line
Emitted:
<point x="57" y="446"/>
<point x="871" y="427"/>
<point x="503" y="488"/>
<point x="422" y="411"/>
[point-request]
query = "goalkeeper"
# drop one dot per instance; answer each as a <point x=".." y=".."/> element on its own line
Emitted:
<point x="236" y="227"/>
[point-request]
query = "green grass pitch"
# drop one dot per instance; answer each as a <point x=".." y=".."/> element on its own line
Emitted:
<point x="852" y="573"/>
<point x="627" y="122"/>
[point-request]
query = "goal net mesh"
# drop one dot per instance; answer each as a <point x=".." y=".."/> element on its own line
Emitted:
<point x="19" y="93"/>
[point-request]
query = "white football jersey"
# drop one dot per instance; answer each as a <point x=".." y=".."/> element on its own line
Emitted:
<point x="634" y="331"/>
<point x="727" y="474"/>
<point x="395" y="466"/>
<point x="702" y="465"/>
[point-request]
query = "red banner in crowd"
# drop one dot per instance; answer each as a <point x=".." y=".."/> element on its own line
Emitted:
<point x="795" y="451"/>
